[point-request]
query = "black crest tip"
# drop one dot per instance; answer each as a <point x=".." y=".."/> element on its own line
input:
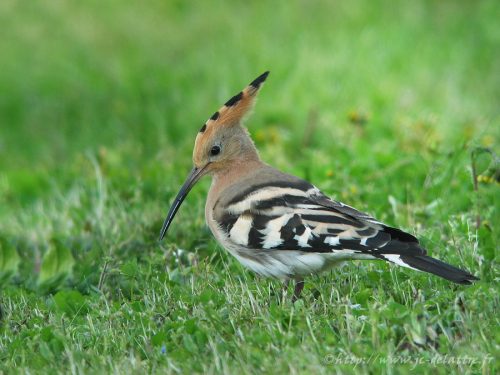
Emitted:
<point x="203" y="128"/>
<point x="259" y="80"/>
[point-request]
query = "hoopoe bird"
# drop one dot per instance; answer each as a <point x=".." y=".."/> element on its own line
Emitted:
<point x="279" y="225"/>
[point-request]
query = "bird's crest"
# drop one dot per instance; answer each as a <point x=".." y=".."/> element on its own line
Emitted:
<point x="237" y="107"/>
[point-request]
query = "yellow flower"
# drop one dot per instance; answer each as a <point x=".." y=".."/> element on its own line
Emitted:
<point x="488" y="140"/>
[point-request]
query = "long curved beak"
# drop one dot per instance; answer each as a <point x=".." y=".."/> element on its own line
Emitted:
<point x="192" y="178"/>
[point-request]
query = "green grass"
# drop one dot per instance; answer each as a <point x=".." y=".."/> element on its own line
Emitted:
<point x="378" y="103"/>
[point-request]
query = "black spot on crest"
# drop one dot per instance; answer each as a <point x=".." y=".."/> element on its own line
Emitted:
<point x="203" y="128"/>
<point x="235" y="99"/>
<point x="215" y="116"/>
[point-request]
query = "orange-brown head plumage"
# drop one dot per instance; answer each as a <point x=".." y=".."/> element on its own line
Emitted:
<point x="222" y="139"/>
<point x="222" y="144"/>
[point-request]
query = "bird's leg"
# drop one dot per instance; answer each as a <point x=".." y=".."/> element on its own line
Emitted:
<point x="299" y="285"/>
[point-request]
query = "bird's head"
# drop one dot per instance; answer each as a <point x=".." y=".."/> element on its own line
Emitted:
<point x="221" y="141"/>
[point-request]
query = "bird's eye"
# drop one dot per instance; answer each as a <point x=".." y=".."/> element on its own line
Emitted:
<point x="215" y="151"/>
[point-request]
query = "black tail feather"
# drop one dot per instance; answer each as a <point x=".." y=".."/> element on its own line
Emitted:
<point x="439" y="268"/>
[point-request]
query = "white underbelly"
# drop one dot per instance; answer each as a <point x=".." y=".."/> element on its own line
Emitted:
<point x="287" y="264"/>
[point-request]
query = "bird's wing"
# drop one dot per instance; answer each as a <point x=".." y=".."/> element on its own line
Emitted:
<point x="295" y="215"/>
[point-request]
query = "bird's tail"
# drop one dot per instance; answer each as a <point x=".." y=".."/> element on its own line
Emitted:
<point x="438" y="268"/>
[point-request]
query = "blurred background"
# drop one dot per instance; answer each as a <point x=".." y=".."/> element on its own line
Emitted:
<point x="136" y="79"/>
<point x="390" y="106"/>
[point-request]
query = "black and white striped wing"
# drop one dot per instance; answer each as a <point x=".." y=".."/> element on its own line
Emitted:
<point x="297" y="216"/>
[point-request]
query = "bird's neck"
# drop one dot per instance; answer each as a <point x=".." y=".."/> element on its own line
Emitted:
<point x="234" y="172"/>
<point x="243" y="163"/>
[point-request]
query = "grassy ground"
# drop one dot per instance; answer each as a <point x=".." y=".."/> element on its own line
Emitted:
<point x="381" y="104"/>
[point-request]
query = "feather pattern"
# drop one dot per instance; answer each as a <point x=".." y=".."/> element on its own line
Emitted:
<point x="279" y="225"/>
<point x="233" y="111"/>
<point x="290" y="222"/>
<point x="297" y="216"/>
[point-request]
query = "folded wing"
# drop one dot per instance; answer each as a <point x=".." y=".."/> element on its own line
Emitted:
<point x="297" y="216"/>
<point x="290" y="214"/>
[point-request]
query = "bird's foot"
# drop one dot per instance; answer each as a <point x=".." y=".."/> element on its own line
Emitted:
<point x="299" y="286"/>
